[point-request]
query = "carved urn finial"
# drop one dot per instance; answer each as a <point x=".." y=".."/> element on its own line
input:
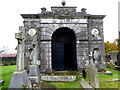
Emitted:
<point x="43" y="9"/>
<point x="63" y="2"/>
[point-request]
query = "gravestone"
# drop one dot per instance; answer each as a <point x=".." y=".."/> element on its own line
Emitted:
<point x="93" y="75"/>
<point x="107" y="58"/>
<point x="118" y="59"/>
<point x="113" y="56"/>
<point x="112" y="64"/>
<point x="34" y="72"/>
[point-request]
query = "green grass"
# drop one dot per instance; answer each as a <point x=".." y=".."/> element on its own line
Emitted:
<point x="109" y="77"/>
<point x="7" y="71"/>
<point x="6" y="75"/>
<point x="63" y="85"/>
<point x="104" y="83"/>
<point x="74" y="84"/>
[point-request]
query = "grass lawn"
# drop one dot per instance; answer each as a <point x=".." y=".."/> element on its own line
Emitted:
<point x="63" y="85"/>
<point x="104" y="83"/>
<point x="6" y="75"/>
<point x="7" y="72"/>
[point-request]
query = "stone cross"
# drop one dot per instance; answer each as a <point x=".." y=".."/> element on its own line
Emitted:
<point x="20" y="36"/>
<point x="20" y="76"/>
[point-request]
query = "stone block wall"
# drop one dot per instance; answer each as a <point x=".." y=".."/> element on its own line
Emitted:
<point x="46" y="55"/>
<point x="82" y="28"/>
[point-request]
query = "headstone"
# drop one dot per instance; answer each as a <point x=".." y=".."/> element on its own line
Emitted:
<point x="34" y="73"/>
<point x="111" y="64"/>
<point x="20" y="77"/>
<point x="93" y="75"/>
<point x="107" y="58"/>
<point x="118" y="58"/>
<point x="113" y="56"/>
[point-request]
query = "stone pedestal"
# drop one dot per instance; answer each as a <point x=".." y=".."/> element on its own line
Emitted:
<point x="20" y="80"/>
<point x="34" y="74"/>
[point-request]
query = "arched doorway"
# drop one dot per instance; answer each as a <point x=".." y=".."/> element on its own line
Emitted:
<point x="64" y="50"/>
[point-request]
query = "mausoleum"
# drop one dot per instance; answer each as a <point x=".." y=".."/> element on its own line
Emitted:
<point x="64" y="39"/>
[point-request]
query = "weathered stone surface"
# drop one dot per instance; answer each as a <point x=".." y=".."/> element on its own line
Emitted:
<point x="93" y="75"/>
<point x="110" y="64"/>
<point x="34" y="74"/>
<point x="19" y="80"/>
<point x="118" y="59"/>
<point x="20" y="36"/>
<point x="34" y="70"/>
<point x="34" y="79"/>
<point x="113" y="56"/>
<point x="81" y="23"/>
<point x="58" y="78"/>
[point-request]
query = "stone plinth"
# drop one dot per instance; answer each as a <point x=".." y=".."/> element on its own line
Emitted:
<point x="59" y="78"/>
<point x="34" y="73"/>
<point x="20" y="80"/>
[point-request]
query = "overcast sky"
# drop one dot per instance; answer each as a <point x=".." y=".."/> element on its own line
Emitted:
<point x="10" y="18"/>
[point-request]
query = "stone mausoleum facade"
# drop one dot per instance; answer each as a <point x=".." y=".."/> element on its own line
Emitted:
<point x="65" y="39"/>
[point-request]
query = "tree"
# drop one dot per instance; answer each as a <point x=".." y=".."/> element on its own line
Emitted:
<point x="110" y="47"/>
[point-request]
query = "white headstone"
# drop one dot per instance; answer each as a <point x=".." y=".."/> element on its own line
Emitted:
<point x="93" y="75"/>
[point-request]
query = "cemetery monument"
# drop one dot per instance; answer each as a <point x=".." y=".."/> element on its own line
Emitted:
<point x="60" y="39"/>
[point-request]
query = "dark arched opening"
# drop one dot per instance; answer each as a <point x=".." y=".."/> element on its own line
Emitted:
<point x="64" y="50"/>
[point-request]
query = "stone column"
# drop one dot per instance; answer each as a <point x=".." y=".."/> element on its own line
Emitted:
<point x="20" y="77"/>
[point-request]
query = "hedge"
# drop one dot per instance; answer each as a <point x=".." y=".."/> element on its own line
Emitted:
<point x="6" y="61"/>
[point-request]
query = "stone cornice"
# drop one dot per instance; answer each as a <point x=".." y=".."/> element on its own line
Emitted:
<point x="96" y="16"/>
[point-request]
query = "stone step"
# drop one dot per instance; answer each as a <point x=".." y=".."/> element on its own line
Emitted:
<point x="59" y="78"/>
<point x="84" y="84"/>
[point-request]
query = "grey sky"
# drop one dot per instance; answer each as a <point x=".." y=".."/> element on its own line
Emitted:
<point x="10" y="18"/>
